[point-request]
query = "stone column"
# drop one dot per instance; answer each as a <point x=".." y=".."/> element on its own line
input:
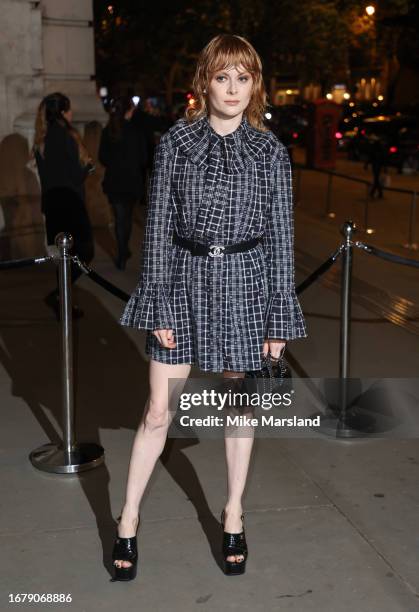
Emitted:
<point x="63" y="39"/>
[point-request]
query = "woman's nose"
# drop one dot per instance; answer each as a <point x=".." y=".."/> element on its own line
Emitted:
<point x="232" y="89"/>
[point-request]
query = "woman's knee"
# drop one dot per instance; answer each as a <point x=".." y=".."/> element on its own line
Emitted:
<point x="163" y="393"/>
<point x="157" y="414"/>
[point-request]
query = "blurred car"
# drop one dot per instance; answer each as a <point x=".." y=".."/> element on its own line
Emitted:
<point x="399" y="134"/>
<point x="348" y="130"/>
<point x="289" y="123"/>
<point x="404" y="153"/>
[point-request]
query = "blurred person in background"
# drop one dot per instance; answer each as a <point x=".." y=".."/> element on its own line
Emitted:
<point x="63" y="164"/>
<point x="123" y="153"/>
<point x="145" y="124"/>
<point x="377" y="157"/>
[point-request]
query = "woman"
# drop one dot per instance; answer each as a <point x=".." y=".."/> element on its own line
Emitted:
<point x="220" y="179"/>
<point x="377" y="159"/>
<point x="63" y="164"/>
<point x="123" y="153"/>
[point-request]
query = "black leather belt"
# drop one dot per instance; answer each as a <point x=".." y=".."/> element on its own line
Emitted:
<point x="214" y="250"/>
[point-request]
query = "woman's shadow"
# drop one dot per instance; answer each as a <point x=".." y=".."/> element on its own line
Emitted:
<point x="103" y="382"/>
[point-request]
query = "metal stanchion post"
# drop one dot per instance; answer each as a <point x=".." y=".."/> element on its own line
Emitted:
<point x="328" y="212"/>
<point x="411" y="244"/>
<point x="64" y="243"/>
<point x="68" y="457"/>
<point x="350" y="424"/>
<point x="367" y="228"/>
<point x="348" y="229"/>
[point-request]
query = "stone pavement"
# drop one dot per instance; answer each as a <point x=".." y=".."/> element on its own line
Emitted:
<point x="332" y="525"/>
<point x="388" y="218"/>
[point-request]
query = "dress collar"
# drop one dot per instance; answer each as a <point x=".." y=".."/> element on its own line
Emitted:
<point x="199" y="141"/>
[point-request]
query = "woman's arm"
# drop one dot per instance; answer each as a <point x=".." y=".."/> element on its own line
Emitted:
<point x="284" y="318"/>
<point x="157" y="246"/>
<point x="149" y="307"/>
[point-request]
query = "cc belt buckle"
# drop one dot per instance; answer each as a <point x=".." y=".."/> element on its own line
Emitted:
<point x="217" y="252"/>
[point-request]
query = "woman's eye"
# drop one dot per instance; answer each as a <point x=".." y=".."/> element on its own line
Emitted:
<point x="242" y="79"/>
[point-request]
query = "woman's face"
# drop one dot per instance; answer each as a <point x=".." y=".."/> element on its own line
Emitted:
<point x="230" y="91"/>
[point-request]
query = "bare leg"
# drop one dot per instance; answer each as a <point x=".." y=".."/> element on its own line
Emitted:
<point x="238" y="453"/>
<point x="148" y="443"/>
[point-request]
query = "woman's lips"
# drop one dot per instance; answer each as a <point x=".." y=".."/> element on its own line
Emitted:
<point x="233" y="103"/>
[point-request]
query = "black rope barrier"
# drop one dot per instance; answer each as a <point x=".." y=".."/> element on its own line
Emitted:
<point x="349" y="177"/>
<point x="22" y="263"/>
<point x="320" y="270"/>
<point x="117" y="292"/>
<point x="95" y="277"/>
<point x="371" y="250"/>
<point x="66" y="457"/>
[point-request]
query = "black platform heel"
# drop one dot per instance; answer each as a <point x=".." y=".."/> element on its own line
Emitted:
<point x="234" y="544"/>
<point x="125" y="549"/>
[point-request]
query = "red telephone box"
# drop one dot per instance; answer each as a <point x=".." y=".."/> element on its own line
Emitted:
<point x="323" y="121"/>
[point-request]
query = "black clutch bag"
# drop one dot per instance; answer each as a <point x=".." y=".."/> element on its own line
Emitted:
<point x="275" y="375"/>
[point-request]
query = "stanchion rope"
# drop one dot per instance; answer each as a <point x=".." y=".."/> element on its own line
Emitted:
<point x="94" y="276"/>
<point x="371" y="250"/>
<point x="21" y="263"/>
<point x="320" y="270"/>
<point x="119" y="293"/>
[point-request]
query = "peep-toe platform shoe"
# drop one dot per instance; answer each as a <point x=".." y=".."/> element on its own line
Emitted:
<point x="234" y="544"/>
<point x="125" y="549"/>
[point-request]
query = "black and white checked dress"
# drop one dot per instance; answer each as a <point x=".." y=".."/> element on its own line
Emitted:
<point x="217" y="190"/>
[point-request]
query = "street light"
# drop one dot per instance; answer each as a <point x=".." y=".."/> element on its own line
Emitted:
<point x="370" y="10"/>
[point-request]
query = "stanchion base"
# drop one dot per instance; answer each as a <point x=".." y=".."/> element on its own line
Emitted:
<point x="52" y="458"/>
<point x="353" y="426"/>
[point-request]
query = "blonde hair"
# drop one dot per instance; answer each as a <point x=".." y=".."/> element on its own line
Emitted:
<point x="223" y="51"/>
<point x="50" y="111"/>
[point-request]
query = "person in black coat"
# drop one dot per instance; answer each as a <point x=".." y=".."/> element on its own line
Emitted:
<point x="145" y="123"/>
<point x="123" y="153"/>
<point x="377" y="158"/>
<point x="63" y="164"/>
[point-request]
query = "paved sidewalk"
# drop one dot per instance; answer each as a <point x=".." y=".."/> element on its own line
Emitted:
<point x="388" y="218"/>
<point x="332" y="525"/>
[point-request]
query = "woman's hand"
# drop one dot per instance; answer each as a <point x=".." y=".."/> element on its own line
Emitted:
<point x="165" y="337"/>
<point x="274" y="346"/>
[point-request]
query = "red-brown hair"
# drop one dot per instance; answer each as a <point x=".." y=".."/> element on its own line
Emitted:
<point x="223" y="51"/>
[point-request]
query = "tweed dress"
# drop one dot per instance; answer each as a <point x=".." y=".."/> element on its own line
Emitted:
<point x="217" y="190"/>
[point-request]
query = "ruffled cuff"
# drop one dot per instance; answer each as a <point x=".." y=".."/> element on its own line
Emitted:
<point x="284" y="317"/>
<point x="148" y="307"/>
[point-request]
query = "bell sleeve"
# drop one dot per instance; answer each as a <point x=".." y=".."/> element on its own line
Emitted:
<point x="149" y="305"/>
<point x="284" y="318"/>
